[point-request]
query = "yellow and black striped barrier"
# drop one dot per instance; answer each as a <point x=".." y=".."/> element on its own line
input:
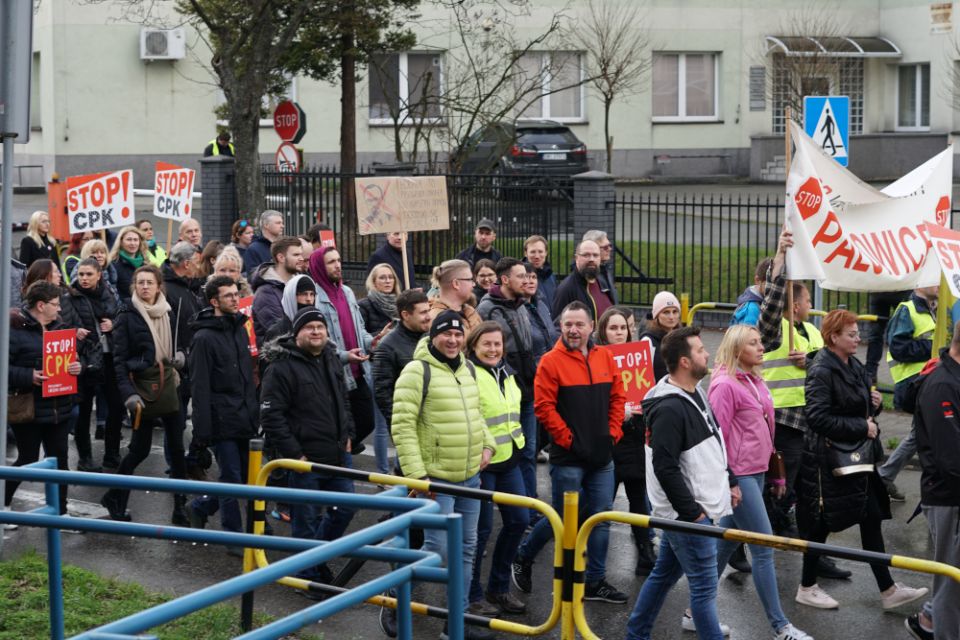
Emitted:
<point x="737" y="535"/>
<point x="564" y="532"/>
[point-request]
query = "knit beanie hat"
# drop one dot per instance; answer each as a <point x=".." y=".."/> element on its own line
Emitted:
<point x="664" y="300"/>
<point x="445" y="321"/>
<point x="305" y="316"/>
<point x="305" y="284"/>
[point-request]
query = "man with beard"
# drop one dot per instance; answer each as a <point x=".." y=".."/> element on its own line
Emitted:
<point x="268" y="282"/>
<point x="688" y="480"/>
<point x="482" y="248"/>
<point x="583" y="284"/>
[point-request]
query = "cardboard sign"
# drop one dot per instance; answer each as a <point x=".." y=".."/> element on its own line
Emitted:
<point x="402" y="203"/>
<point x="173" y="191"/>
<point x="59" y="350"/>
<point x="100" y="201"/>
<point x="327" y="239"/>
<point x="634" y="361"/>
<point x="946" y="246"/>
<point x="246" y="308"/>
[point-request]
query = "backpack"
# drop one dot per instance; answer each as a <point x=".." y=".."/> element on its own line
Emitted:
<point x="426" y="377"/>
<point x="909" y="400"/>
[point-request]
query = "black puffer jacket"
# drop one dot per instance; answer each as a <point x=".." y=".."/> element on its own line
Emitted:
<point x="374" y="320"/>
<point x="656" y="336"/>
<point x="26" y="356"/>
<point x="124" y="278"/>
<point x="90" y="306"/>
<point x="390" y="357"/>
<point x="628" y="455"/>
<point x="838" y="403"/>
<point x="183" y="294"/>
<point x="295" y="384"/>
<point x="134" y="349"/>
<point x="221" y="378"/>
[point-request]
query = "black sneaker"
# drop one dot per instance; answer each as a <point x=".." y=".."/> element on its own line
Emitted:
<point x="912" y="623"/>
<point x="388" y="622"/>
<point x="522" y="574"/>
<point x="827" y="568"/>
<point x="603" y="592"/>
<point x="738" y="561"/>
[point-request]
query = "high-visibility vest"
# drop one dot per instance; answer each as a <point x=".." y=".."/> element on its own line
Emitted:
<point x="216" y="148"/>
<point x="501" y="410"/>
<point x="923" y="327"/>
<point x="784" y="379"/>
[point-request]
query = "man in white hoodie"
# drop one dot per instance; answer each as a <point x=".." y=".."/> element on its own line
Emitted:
<point x="687" y="480"/>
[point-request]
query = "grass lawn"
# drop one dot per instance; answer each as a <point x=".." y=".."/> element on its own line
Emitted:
<point x="91" y="600"/>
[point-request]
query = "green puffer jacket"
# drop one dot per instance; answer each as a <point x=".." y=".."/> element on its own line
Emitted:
<point x="444" y="438"/>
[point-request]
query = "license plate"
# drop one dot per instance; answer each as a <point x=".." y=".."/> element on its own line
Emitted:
<point x="554" y="156"/>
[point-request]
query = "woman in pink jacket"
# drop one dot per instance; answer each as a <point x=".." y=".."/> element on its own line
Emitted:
<point x="743" y="408"/>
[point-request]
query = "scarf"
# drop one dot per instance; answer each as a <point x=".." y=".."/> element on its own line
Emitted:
<point x="156" y="317"/>
<point x="385" y="302"/>
<point x="339" y="301"/>
<point x="136" y="261"/>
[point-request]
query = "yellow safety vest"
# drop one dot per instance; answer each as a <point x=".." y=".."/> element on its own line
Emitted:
<point x="502" y="413"/>
<point x="923" y="327"/>
<point x="784" y="379"/>
<point x="216" y="148"/>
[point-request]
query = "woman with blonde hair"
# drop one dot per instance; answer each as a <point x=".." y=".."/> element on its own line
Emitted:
<point x="743" y="408"/>
<point x="379" y="308"/>
<point x="37" y="245"/>
<point x="129" y="253"/>
<point x="229" y="263"/>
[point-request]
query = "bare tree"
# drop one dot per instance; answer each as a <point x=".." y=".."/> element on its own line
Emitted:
<point x="616" y="39"/>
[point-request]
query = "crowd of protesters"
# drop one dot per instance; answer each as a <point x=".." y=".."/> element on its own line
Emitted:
<point x="472" y="379"/>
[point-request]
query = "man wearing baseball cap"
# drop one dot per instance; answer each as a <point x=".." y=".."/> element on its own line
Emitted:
<point x="484" y="236"/>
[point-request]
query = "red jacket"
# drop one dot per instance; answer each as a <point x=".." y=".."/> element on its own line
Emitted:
<point x="579" y="404"/>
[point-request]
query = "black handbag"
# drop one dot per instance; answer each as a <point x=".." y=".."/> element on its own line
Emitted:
<point x="848" y="459"/>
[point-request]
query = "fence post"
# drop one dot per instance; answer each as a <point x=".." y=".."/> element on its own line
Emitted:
<point x="593" y="197"/>
<point x="218" y="184"/>
<point x="254" y="462"/>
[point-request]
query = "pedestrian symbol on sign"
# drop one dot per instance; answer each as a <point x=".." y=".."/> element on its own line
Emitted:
<point x="826" y="119"/>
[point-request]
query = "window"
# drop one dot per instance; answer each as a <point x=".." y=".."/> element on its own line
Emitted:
<point x="913" y="97"/>
<point x="36" y="112"/>
<point x="405" y="86"/>
<point x="685" y="87"/>
<point x="560" y="76"/>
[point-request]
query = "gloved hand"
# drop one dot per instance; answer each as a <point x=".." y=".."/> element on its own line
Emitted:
<point x="179" y="360"/>
<point x="132" y="402"/>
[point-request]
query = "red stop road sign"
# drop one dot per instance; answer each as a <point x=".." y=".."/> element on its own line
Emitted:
<point x="289" y="121"/>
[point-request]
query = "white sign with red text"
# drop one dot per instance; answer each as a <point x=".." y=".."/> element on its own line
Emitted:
<point x="946" y="246"/>
<point x="173" y="191"/>
<point x="100" y="201"/>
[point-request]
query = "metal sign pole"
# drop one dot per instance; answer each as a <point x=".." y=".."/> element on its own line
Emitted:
<point x="6" y="230"/>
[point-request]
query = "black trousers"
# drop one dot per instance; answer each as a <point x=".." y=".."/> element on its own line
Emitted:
<point x="30" y="436"/>
<point x="112" y="435"/>
<point x="142" y="439"/>
<point x="361" y="407"/>
<point x="789" y="442"/>
<point x="871" y="537"/>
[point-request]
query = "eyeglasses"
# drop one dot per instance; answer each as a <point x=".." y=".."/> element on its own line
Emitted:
<point x="464" y="279"/>
<point x="853" y="334"/>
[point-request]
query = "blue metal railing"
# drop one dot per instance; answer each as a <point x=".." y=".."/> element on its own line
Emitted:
<point x="368" y="543"/>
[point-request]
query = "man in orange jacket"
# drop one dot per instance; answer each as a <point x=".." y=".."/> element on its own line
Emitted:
<point x="575" y="387"/>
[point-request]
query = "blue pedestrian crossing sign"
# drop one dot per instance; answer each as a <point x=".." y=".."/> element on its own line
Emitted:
<point x="826" y="119"/>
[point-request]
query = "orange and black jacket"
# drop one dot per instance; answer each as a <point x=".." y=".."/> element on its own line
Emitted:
<point x="579" y="399"/>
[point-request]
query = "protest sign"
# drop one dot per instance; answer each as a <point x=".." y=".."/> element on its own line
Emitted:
<point x="327" y="239"/>
<point x="402" y="203"/>
<point x="246" y="308"/>
<point x="634" y="361"/>
<point x="100" y="201"/>
<point x="946" y="245"/>
<point x="849" y="236"/>
<point x="173" y="191"/>
<point x="59" y="350"/>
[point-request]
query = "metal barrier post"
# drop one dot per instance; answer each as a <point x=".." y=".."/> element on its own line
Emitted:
<point x="404" y="600"/>
<point x="685" y="308"/>
<point x="254" y="462"/>
<point x="571" y="513"/>
<point x="455" y="577"/>
<point x="54" y="564"/>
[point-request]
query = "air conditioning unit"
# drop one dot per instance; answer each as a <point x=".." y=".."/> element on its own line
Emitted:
<point x="162" y="44"/>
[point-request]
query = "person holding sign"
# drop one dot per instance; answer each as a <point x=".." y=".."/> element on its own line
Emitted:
<point x="44" y="421"/>
<point x="743" y="408"/>
<point x="391" y="253"/>
<point x="147" y="360"/>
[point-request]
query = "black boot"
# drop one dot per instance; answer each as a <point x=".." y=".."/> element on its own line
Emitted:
<point x="738" y="561"/>
<point x="115" y="502"/>
<point x="179" y="516"/>
<point x="645" y="558"/>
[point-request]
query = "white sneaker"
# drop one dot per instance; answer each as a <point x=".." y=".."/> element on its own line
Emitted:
<point x="790" y="632"/>
<point x="687" y="624"/>
<point x="902" y="594"/>
<point x="816" y="597"/>
<point x="9" y="526"/>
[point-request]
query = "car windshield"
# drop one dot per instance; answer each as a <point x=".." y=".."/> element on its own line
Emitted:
<point x="546" y="136"/>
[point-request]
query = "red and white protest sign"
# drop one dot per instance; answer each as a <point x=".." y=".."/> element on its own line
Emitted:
<point x="246" y="308"/>
<point x="327" y="239"/>
<point x="946" y="246"/>
<point x="59" y="351"/>
<point x="173" y="191"/>
<point x="100" y="201"/>
<point x="634" y="361"/>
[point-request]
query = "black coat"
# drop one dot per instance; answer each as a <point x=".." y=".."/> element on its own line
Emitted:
<point x="374" y="320"/>
<point x="390" y="357"/>
<point x="938" y="434"/>
<point x="90" y="306"/>
<point x="574" y="287"/>
<point x="837" y="405"/>
<point x="221" y="378"/>
<point x="628" y="455"/>
<point x="26" y="356"/>
<point x="659" y="365"/>
<point x="387" y="254"/>
<point x="294" y="386"/>
<point x="184" y="295"/>
<point x="30" y="252"/>
<point x="134" y="348"/>
<point x="124" y="278"/>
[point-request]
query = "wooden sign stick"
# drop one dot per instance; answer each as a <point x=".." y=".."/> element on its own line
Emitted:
<point x="403" y="255"/>
<point x="789" y="283"/>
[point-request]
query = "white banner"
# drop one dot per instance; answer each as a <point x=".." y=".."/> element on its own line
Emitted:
<point x="849" y="236"/>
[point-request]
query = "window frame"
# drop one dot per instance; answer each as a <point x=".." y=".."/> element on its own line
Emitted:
<point x="265" y="123"/>
<point x="403" y="89"/>
<point x="682" y="88"/>
<point x="918" y="87"/>
<point x="545" y="94"/>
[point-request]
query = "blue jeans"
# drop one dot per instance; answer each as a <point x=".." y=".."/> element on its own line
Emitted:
<point x="381" y="441"/>
<point x="528" y="455"/>
<point x="751" y="515"/>
<point x="680" y="554"/>
<point x="304" y="520"/>
<point x="596" y="495"/>
<point x="469" y="508"/>
<point x="232" y="459"/>
<point x="515" y="521"/>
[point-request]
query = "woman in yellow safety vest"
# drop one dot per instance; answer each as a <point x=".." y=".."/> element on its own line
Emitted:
<point x="500" y="405"/>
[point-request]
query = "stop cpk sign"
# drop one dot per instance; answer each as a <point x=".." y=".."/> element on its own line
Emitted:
<point x="289" y="121"/>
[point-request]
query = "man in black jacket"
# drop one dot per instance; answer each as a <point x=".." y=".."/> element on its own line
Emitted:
<point x="182" y="289"/>
<point x="225" y="411"/>
<point x="391" y="253"/>
<point x="396" y="349"/>
<point x="937" y="424"/>
<point x="304" y="374"/>
<point x="482" y="248"/>
<point x="584" y="284"/>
